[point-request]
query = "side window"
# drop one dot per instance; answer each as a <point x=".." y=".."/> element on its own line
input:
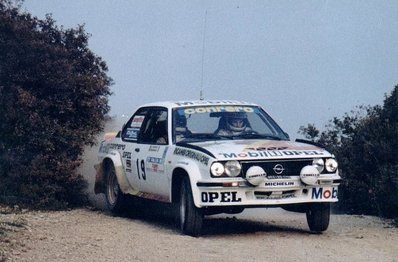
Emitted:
<point x="132" y="128"/>
<point x="154" y="128"/>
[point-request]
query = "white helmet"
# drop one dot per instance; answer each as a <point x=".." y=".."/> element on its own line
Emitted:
<point x="237" y="122"/>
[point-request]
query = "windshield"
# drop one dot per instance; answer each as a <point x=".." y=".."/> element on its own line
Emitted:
<point x="201" y="123"/>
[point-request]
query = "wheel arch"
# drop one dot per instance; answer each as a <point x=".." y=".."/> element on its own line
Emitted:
<point x="114" y="159"/>
<point x="177" y="177"/>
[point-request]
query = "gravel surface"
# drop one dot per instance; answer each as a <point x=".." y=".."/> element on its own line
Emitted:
<point x="254" y="235"/>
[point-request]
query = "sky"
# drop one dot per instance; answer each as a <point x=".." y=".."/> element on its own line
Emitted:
<point x="303" y="61"/>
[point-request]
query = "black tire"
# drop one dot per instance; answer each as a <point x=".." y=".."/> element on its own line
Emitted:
<point x="116" y="200"/>
<point x="190" y="217"/>
<point x="318" y="216"/>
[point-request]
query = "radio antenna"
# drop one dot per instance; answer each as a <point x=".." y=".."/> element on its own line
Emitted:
<point x="203" y="55"/>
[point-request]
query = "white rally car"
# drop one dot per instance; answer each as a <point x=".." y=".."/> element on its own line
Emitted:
<point x="212" y="157"/>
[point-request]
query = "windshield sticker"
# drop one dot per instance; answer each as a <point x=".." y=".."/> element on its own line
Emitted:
<point x="216" y="109"/>
<point x="132" y="133"/>
<point x="137" y="121"/>
<point x="202" y="102"/>
<point x="193" y="155"/>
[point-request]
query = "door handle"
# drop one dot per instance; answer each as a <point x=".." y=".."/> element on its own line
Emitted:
<point x="137" y="150"/>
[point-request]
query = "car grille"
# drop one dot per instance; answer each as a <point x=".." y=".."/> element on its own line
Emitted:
<point x="273" y="168"/>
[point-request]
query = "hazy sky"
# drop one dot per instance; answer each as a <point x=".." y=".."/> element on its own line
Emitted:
<point x="303" y="61"/>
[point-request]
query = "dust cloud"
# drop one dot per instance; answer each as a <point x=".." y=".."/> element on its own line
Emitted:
<point x="90" y="159"/>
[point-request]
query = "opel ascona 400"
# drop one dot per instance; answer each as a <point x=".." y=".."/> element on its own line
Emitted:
<point x="212" y="157"/>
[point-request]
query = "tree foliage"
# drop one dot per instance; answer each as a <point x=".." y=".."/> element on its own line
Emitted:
<point x="53" y="99"/>
<point x="365" y="143"/>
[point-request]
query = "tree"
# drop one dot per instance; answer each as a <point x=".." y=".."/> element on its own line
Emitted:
<point x="53" y="99"/>
<point x="365" y="143"/>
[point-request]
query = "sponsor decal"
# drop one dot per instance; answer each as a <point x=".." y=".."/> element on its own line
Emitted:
<point x="137" y="121"/>
<point x="279" y="196"/>
<point x="266" y="148"/>
<point x="131" y="133"/>
<point x="126" y="155"/>
<point x="272" y="153"/>
<point x="128" y="163"/>
<point x="278" y="145"/>
<point x="156" y="164"/>
<point x="279" y="183"/>
<point x="191" y="154"/>
<point x="279" y="177"/>
<point x="223" y="197"/>
<point x="116" y="146"/>
<point x="324" y="193"/>
<point x="154" y="148"/>
<point x="216" y="109"/>
<point x="155" y="168"/>
<point x="154" y="160"/>
<point x="191" y="103"/>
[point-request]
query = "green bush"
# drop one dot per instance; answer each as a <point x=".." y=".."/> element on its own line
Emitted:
<point x="365" y="143"/>
<point x="53" y="99"/>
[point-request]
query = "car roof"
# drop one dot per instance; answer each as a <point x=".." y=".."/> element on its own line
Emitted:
<point x="177" y="104"/>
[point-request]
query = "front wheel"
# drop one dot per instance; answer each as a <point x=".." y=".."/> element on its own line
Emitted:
<point x="116" y="200"/>
<point x="318" y="216"/>
<point x="190" y="217"/>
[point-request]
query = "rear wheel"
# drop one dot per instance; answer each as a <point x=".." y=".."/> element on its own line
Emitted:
<point x="318" y="216"/>
<point x="116" y="200"/>
<point x="190" y="217"/>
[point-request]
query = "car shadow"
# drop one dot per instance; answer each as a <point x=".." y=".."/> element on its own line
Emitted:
<point x="163" y="216"/>
<point x="233" y="225"/>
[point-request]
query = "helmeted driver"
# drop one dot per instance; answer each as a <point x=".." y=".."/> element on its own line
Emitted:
<point x="181" y="129"/>
<point x="235" y="124"/>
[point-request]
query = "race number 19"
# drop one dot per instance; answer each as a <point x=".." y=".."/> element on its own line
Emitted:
<point x="141" y="169"/>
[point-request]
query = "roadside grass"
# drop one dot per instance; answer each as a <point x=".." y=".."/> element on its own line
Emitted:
<point x="10" y="223"/>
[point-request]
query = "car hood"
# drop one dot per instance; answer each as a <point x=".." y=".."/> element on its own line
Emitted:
<point x="259" y="149"/>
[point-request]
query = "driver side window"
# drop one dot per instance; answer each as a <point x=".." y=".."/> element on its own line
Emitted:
<point x="154" y="128"/>
<point x="148" y="126"/>
<point x="132" y="128"/>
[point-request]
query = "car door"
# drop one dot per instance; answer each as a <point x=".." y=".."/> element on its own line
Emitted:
<point x="153" y="146"/>
<point x="147" y="144"/>
<point x="130" y="134"/>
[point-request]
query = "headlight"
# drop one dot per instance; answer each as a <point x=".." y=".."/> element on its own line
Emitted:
<point x="217" y="169"/>
<point x="319" y="164"/>
<point x="232" y="168"/>
<point x="331" y="165"/>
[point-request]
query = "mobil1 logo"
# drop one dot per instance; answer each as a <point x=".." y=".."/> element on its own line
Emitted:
<point x="324" y="193"/>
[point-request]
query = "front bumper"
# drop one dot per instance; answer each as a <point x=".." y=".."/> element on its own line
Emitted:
<point x="271" y="193"/>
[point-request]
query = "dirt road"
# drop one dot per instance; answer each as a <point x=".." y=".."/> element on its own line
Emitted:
<point x="254" y="235"/>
